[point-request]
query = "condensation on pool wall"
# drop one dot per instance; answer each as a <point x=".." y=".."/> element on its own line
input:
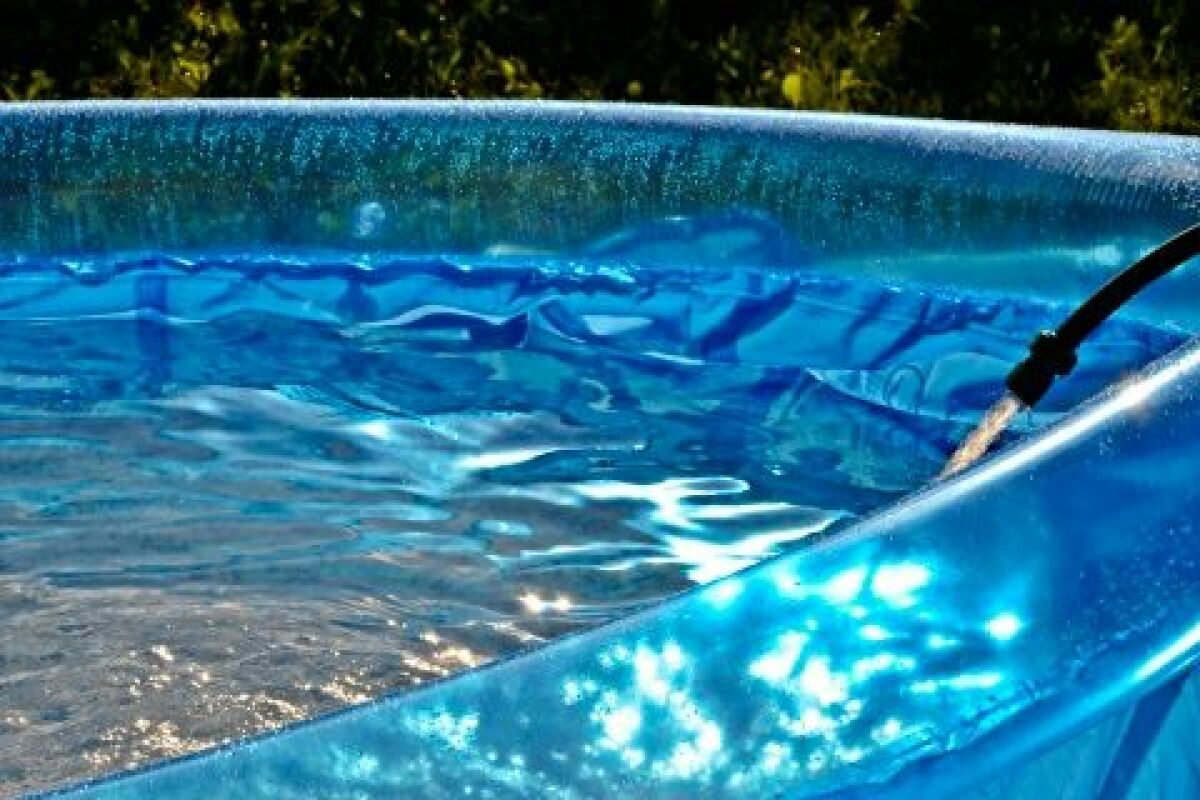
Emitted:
<point x="309" y="481"/>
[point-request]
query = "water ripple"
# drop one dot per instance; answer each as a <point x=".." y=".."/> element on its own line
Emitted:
<point x="240" y="491"/>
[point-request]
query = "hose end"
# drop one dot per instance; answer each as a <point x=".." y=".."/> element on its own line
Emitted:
<point x="1049" y="359"/>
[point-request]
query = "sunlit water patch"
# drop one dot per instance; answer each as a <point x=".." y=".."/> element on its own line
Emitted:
<point x="240" y="491"/>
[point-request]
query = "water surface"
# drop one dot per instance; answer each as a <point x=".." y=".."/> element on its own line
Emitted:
<point x="240" y="490"/>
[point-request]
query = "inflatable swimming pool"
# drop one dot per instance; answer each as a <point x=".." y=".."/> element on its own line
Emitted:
<point x="1023" y="630"/>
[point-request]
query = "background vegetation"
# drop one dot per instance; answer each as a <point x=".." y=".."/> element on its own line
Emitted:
<point x="1106" y="63"/>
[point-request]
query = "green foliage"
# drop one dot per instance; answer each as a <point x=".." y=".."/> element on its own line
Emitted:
<point x="1109" y="63"/>
<point x="1142" y="84"/>
<point x="847" y="67"/>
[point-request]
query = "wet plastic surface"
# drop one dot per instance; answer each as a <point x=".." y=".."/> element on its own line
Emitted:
<point x="957" y="635"/>
<point x="975" y="638"/>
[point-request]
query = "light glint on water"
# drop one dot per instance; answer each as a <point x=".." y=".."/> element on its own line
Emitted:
<point x="294" y="486"/>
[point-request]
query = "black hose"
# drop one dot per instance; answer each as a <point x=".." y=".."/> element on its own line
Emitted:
<point x="1052" y="353"/>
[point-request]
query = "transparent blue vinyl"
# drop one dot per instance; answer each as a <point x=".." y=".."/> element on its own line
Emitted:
<point x="1023" y="630"/>
<point x="956" y="636"/>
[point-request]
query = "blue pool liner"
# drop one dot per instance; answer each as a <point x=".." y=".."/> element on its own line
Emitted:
<point x="1044" y="602"/>
<point x="1024" y="630"/>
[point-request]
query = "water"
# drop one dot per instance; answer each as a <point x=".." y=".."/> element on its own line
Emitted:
<point x="979" y="441"/>
<point x="240" y="491"/>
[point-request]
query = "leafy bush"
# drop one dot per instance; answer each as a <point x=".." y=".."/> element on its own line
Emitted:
<point x="1108" y="63"/>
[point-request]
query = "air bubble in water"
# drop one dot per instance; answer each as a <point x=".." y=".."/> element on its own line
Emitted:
<point x="369" y="219"/>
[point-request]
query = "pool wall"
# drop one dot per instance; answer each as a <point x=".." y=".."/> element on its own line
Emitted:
<point x="468" y="178"/>
<point x="1035" y="613"/>
<point x="1022" y="631"/>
